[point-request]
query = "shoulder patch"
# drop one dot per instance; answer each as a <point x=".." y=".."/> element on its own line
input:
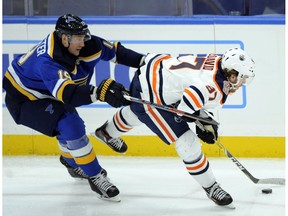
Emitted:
<point x="226" y="87"/>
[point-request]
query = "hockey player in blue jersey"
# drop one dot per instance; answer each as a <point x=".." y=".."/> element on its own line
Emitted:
<point x="192" y="84"/>
<point x="44" y="86"/>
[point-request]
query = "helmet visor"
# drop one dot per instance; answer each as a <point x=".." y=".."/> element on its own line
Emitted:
<point x="87" y="35"/>
<point x="85" y="32"/>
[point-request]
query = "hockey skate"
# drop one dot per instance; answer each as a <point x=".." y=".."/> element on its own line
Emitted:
<point x="104" y="189"/>
<point x="74" y="172"/>
<point x="117" y="144"/>
<point x="219" y="196"/>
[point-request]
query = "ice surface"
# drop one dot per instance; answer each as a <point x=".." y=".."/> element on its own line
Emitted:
<point x="149" y="186"/>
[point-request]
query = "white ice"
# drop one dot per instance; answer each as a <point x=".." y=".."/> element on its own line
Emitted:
<point x="41" y="186"/>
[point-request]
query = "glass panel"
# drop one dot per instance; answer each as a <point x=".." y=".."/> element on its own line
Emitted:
<point x="80" y="8"/>
<point x="13" y="7"/>
<point x="266" y="7"/>
<point x="143" y="7"/>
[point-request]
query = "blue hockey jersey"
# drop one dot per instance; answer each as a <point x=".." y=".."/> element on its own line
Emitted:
<point x="48" y="70"/>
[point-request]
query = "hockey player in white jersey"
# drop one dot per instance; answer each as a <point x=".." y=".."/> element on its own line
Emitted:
<point x="192" y="84"/>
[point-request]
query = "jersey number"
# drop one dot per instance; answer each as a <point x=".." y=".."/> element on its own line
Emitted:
<point x="212" y="91"/>
<point x="196" y="66"/>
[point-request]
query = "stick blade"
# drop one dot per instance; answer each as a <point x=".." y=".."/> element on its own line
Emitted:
<point x="277" y="181"/>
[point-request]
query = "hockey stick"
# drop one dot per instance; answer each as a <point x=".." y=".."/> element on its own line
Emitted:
<point x="171" y="109"/>
<point x="277" y="181"/>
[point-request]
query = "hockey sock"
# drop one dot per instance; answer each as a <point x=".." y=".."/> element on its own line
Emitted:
<point x="84" y="155"/>
<point x="123" y="121"/>
<point x="66" y="155"/>
<point x="201" y="171"/>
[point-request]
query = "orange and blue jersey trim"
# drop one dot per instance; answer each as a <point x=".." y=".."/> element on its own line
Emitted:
<point x="120" y="122"/>
<point x="154" y="78"/>
<point x="165" y="129"/>
<point x="197" y="167"/>
<point x="195" y="96"/>
<point x="155" y="84"/>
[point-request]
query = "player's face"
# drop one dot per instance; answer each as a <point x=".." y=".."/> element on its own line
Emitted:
<point x="234" y="80"/>
<point x="76" y="44"/>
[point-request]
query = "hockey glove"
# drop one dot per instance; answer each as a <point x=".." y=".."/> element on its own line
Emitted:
<point x="209" y="135"/>
<point x="112" y="92"/>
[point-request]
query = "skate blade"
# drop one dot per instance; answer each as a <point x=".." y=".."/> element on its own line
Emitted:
<point x="230" y="206"/>
<point x="111" y="199"/>
<point x="94" y="135"/>
<point x="80" y="179"/>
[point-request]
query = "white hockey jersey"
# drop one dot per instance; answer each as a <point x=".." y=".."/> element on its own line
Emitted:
<point x="197" y="82"/>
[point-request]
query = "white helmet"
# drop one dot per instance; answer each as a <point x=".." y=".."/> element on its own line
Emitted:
<point x="238" y="60"/>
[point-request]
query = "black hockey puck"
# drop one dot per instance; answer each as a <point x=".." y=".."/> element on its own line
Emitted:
<point x="267" y="191"/>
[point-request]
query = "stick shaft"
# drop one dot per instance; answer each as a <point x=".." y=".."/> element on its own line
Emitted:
<point x="171" y="109"/>
<point x="278" y="181"/>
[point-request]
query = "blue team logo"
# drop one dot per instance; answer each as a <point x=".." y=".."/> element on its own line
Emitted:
<point x="70" y="19"/>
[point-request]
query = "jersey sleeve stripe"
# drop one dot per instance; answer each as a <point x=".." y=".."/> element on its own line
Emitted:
<point x="199" y="93"/>
<point x="186" y="101"/>
<point x="115" y="44"/>
<point x="190" y="95"/>
<point x="156" y="78"/>
<point x="19" y="88"/>
<point x="59" y="88"/>
<point x="30" y="93"/>
<point x="92" y="57"/>
<point x="82" y="81"/>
